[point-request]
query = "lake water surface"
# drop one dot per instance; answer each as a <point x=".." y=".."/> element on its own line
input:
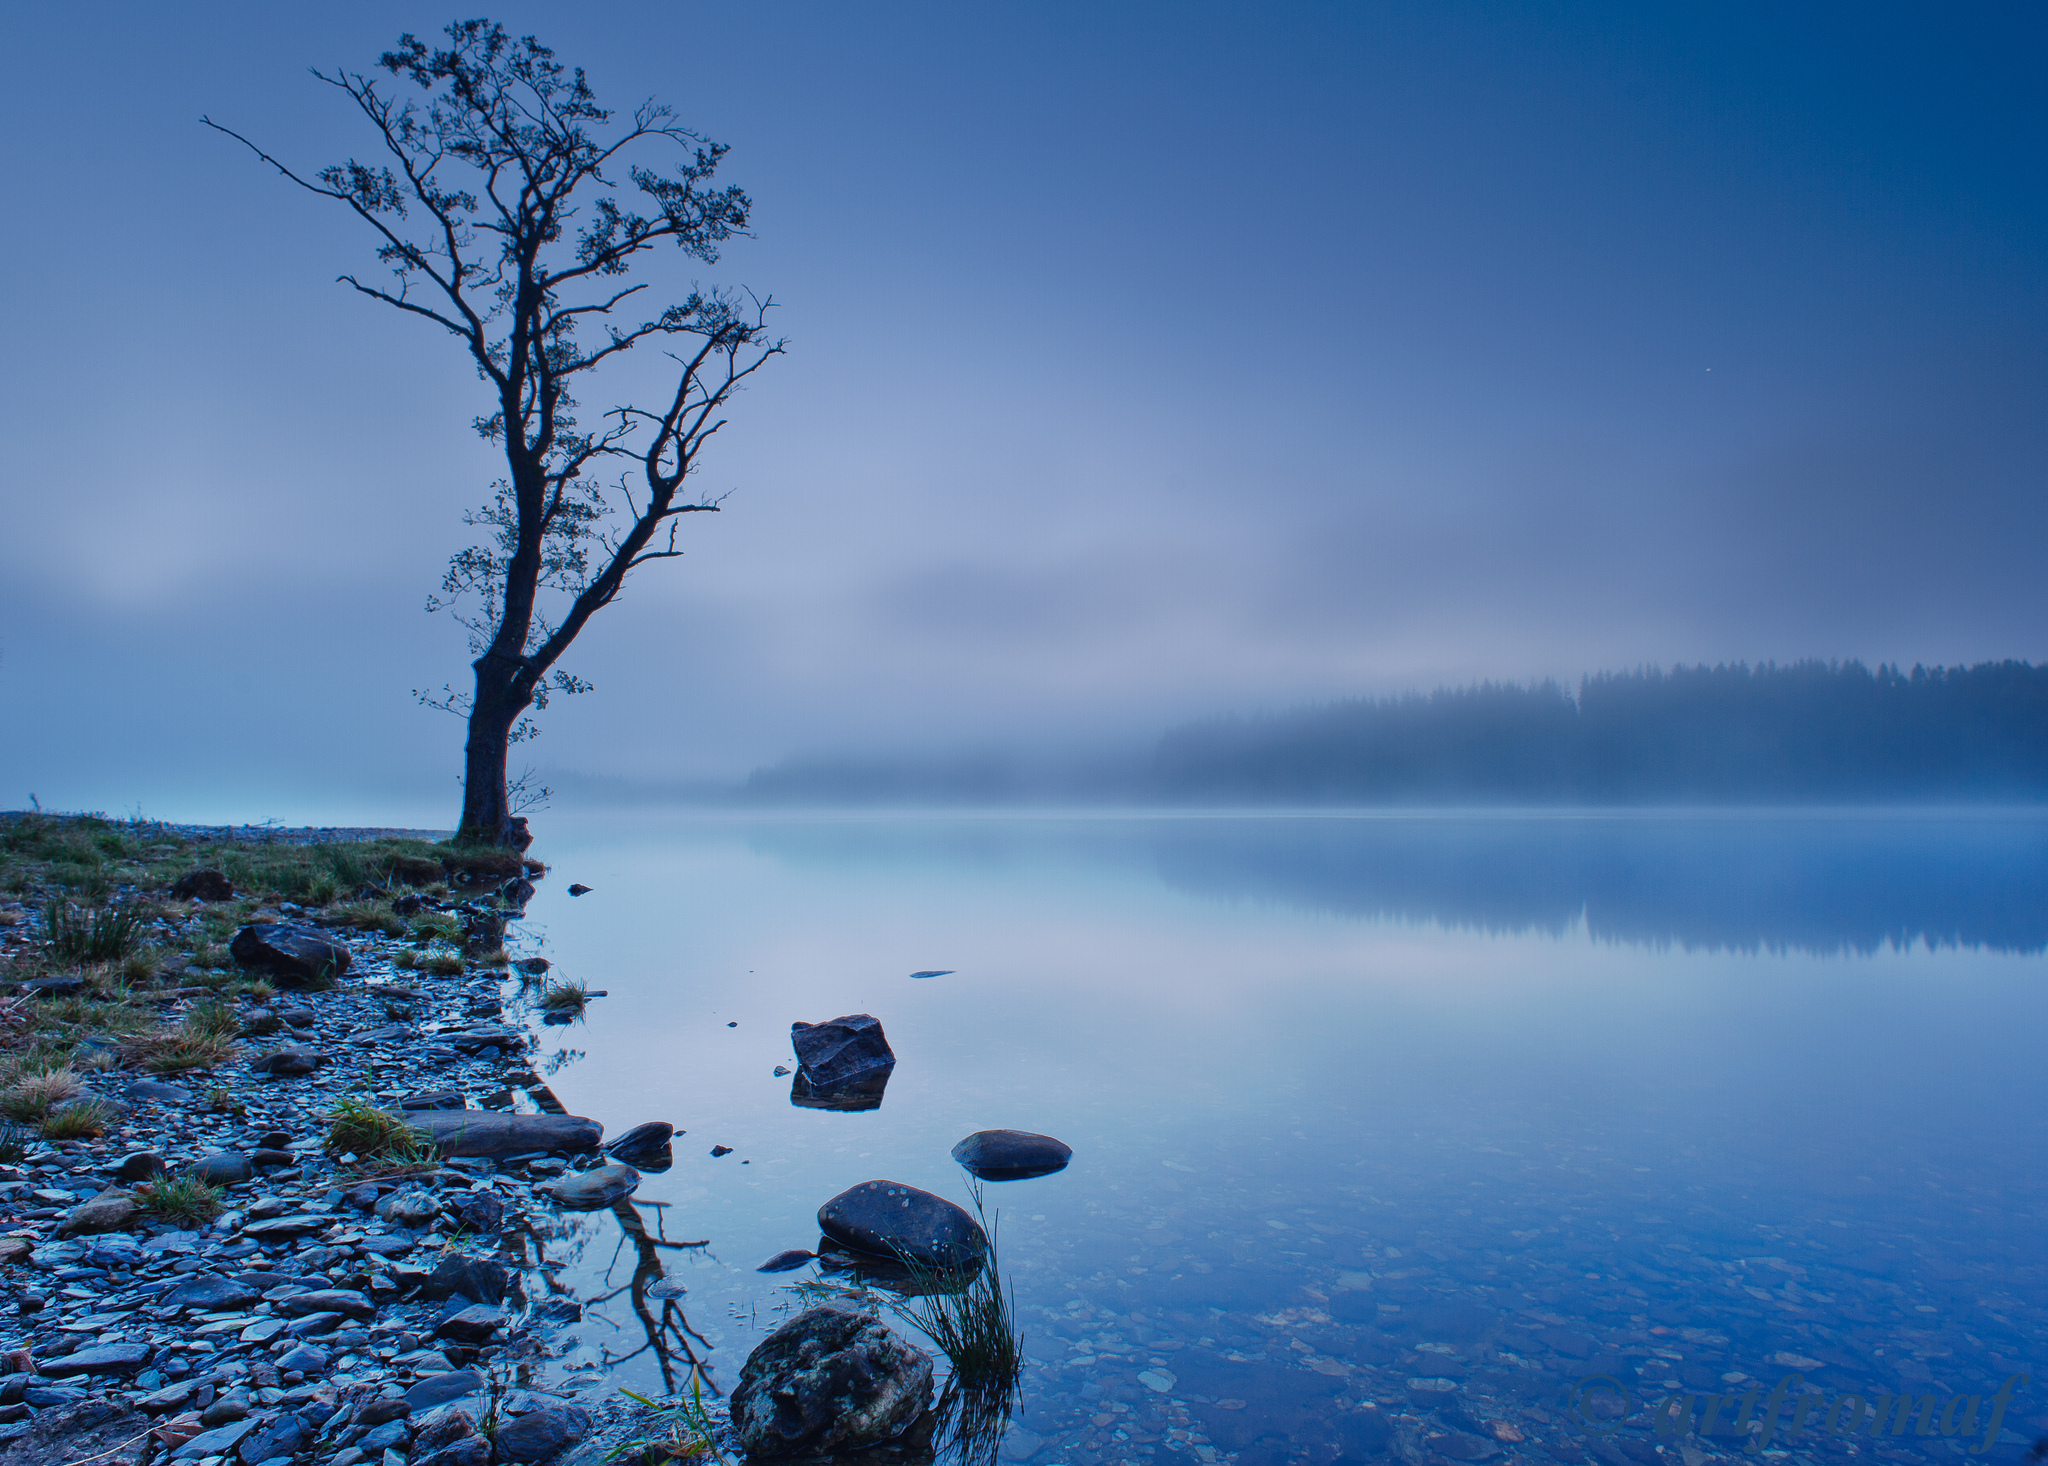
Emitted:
<point x="1388" y="1130"/>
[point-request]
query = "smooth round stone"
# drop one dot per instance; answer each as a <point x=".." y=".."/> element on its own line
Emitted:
<point x="891" y="1220"/>
<point x="1012" y="1155"/>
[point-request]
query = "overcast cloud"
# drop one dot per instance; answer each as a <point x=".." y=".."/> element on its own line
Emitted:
<point x="1146" y="361"/>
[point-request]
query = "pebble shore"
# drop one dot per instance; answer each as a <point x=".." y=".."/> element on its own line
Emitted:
<point x="338" y="1311"/>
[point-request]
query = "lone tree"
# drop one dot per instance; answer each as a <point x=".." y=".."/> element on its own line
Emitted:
<point x="502" y="211"/>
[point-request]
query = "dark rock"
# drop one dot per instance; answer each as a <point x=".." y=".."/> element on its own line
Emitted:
<point x="472" y="1325"/>
<point x="203" y="885"/>
<point x="494" y="1134"/>
<point x="275" y="1229"/>
<point x="289" y="1062"/>
<point x="1011" y="1155"/>
<point x="145" y="1091"/>
<point x="110" y="1211"/>
<point x="865" y="1095"/>
<point x="443" y="1429"/>
<point x="888" y="1219"/>
<point x="828" y="1381"/>
<point x="214" y="1294"/>
<point x="80" y="1431"/>
<point x="223" y="1168"/>
<point x="437" y="1099"/>
<point x="934" y="972"/>
<point x="58" y="985"/>
<point x="290" y="954"/>
<point x="414" y="1208"/>
<point x="265" y="1159"/>
<point x="410" y="904"/>
<point x="588" y="1190"/>
<point x="579" y="889"/>
<point x="533" y="966"/>
<point x="105" y="1359"/>
<point x="327" y="1300"/>
<point x="363" y="1197"/>
<point x="490" y="1036"/>
<point x="642" y="1142"/>
<point x="782" y="1262"/>
<point x="516" y="892"/>
<point x="382" y="1412"/>
<point x="478" y="1279"/>
<point x="541" y="1435"/>
<point x="439" y="1389"/>
<point x="284" y="1436"/>
<point x="307" y="1359"/>
<point x="142" y="1165"/>
<point x="481" y="1211"/>
<point x="389" y="1435"/>
<point x="719" y="1150"/>
<point x="841" y="1051"/>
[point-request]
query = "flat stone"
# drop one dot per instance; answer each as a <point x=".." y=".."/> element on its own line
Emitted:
<point x="156" y="1091"/>
<point x="105" y="1359"/>
<point x="492" y="1133"/>
<point x="438" y="1099"/>
<point x="291" y="1062"/>
<point x="588" y="1190"/>
<point x="110" y="1211"/>
<point x="214" y="1293"/>
<point x="305" y="1358"/>
<point x="142" y="1165"/>
<point x="326" y="1300"/>
<point x="1011" y="1155"/>
<point x="285" y="1436"/>
<point x="472" y="1325"/>
<point x="214" y="1442"/>
<point x="541" y="1435"/>
<point x="480" y="1211"/>
<point x="890" y="1220"/>
<point x="223" y="1168"/>
<point x="291" y="954"/>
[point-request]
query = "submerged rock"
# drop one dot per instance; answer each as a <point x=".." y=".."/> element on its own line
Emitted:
<point x="589" y="1190"/>
<point x="841" y="1051"/>
<point x="1012" y="1155"/>
<point x="829" y="1381"/>
<point x="782" y="1262"/>
<point x="291" y="954"/>
<point x="890" y="1220"/>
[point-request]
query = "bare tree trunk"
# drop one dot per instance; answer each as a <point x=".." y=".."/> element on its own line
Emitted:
<point x="486" y="804"/>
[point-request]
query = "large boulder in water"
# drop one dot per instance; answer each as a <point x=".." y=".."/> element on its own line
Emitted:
<point x="829" y="1381"/>
<point x="294" y="955"/>
<point x="890" y="1220"/>
<point x="841" y="1051"/>
<point x="1012" y="1155"/>
<point x="589" y="1190"/>
<point x="645" y="1147"/>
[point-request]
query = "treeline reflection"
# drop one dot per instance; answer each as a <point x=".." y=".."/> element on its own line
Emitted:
<point x="1819" y="883"/>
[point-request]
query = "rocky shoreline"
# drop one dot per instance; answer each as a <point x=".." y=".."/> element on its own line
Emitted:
<point x="340" y="1308"/>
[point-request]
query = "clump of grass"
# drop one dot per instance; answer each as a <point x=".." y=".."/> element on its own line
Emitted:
<point x="79" y="1120"/>
<point x="222" y="1101"/>
<point x="359" y="1127"/>
<point x="370" y="916"/>
<point x="102" y="934"/>
<point x="212" y="956"/>
<point x="973" y="1323"/>
<point x="13" y="1144"/>
<point x="436" y="927"/>
<point x="35" y="1092"/>
<point x="406" y="959"/>
<point x="201" y="1039"/>
<point x="441" y="963"/>
<point x="565" y="995"/>
<point x="500" y="959"/>
<point x="685" y="1430"/>
<point x="185" y="1201"/>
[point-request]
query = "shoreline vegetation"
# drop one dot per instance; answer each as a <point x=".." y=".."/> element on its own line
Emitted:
<point x="235" y="1210"/>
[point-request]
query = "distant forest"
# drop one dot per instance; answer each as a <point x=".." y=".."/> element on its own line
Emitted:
<point x="1812" y="731"/>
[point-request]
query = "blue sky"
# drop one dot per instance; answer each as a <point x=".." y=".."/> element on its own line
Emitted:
<point x="1146" y="361"/>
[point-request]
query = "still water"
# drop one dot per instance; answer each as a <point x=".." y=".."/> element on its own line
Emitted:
<point x="1388" y="1130"/>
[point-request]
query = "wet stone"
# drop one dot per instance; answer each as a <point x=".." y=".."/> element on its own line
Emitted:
<point x="589" y="1190"/>
<point x="1011" y="1155"/>
<point x="888" y="1219"/>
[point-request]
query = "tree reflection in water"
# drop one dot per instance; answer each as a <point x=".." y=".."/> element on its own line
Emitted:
<point x="669" y="1334"/>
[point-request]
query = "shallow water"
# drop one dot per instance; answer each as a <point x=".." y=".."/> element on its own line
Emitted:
<point x="1388" y="1130"/>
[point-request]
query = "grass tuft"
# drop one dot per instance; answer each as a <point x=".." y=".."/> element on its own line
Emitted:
<point x="34" y="1093"/>
<point x="81" y="1120"/>
<point x="441" y="963"/>
<point x="202" y="1039"/>
<point x="565" y="995"/>
<point x="974" y="1325"/>
<point x="101" y="934"/>
<point x="183" y="1200"/>
<point x="370" y="1133"/>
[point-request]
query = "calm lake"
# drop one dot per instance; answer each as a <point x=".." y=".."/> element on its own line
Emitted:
<point x="1388" y="1130"/>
